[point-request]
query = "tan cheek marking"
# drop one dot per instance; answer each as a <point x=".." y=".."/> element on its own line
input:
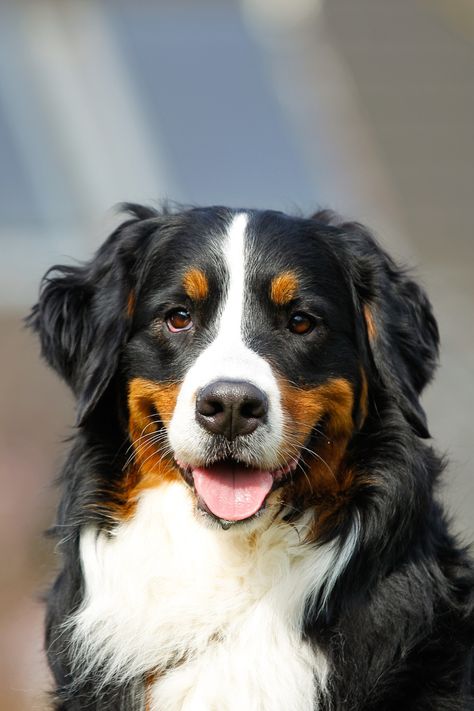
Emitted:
<point x="195" y="284"/>
<point x="370" y="323"/>
<point x="332" y="402"/>
<point x="327" y="482"/>
<point x="149" y="467"/>
<point x="305" y="406"/>
<point x="144" y="395"/>
<point x="283" y="288"/>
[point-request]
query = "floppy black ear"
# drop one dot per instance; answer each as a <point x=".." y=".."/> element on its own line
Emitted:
<point x="402" y="333"/>
<point x="83" y="316"/>
<point x="401" y="329"/>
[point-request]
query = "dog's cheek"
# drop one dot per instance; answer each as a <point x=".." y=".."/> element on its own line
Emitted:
<point x="151" y="406"/>
<point x="328" y="410"/>
<point x="305" y="409"/>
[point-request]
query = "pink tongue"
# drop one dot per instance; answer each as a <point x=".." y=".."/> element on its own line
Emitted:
<point x="231" y="492"/>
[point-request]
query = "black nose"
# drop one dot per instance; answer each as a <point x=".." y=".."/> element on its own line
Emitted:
<point x="231" y="408"/>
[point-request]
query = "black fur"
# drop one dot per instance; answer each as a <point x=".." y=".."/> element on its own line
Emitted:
<point x="398" y="626"/>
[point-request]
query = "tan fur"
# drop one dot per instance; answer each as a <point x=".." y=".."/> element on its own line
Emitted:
<point x="131" y="304"/>
<point x="283" y="288"/>
<point x="370" y="323"/>
<point x="195" y="284"/>
<point x="327" y="481"/>
<point x="149" y="466"/>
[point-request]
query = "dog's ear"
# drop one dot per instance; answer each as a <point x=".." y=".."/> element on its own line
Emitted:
<point x="401" y="331"/>
<point x="84" y="314"/>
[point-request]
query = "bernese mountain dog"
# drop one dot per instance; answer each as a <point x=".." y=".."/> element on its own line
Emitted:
<point x="248" y="518"/>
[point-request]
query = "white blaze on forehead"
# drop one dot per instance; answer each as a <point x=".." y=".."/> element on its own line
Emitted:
<point x="228" y="358"/>
<point x="230" y="325"/>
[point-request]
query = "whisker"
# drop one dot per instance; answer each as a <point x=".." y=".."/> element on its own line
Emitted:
<point x="142" y="443"/>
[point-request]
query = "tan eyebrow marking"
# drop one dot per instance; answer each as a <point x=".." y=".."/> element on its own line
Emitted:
<point x="283" y="287"/>
<point x="195" y="284"/>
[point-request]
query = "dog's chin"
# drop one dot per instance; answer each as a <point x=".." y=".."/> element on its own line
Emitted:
<point x="231" y="494"/>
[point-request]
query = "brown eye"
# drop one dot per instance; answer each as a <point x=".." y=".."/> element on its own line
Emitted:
<point x="301" y="323"/>
<point x="179" y="320"/>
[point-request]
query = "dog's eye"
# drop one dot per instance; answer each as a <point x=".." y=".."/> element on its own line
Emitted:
<point x="179" y="320"/>
<point x="301" y="323"/>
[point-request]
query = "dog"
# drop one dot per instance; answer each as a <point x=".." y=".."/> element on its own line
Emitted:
<point x="248" y="517"/>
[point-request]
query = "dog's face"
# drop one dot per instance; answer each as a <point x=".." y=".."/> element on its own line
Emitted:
<point x="243" y="362"/>
<point x="247" y="346"/>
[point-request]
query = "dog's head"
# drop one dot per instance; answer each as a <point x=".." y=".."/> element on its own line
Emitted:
<point x="247" y="350"/>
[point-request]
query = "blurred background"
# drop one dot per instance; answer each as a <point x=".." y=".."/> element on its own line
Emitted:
<point x="365" y="106"/>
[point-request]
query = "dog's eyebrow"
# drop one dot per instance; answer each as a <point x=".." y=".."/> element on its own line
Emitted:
<point x="283" y="287"/>
<point x="195" y="284"/>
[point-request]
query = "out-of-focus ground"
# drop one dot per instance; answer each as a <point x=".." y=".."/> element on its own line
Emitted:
<point x="364" y="106"/>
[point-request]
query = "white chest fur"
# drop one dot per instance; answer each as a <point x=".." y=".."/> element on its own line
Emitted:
<point x="220" y="611"/>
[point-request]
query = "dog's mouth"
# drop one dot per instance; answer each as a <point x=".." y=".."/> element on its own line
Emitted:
<point x="232" y="491"/>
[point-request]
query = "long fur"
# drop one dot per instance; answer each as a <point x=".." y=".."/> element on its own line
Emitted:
<point x="357" y="599"/>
